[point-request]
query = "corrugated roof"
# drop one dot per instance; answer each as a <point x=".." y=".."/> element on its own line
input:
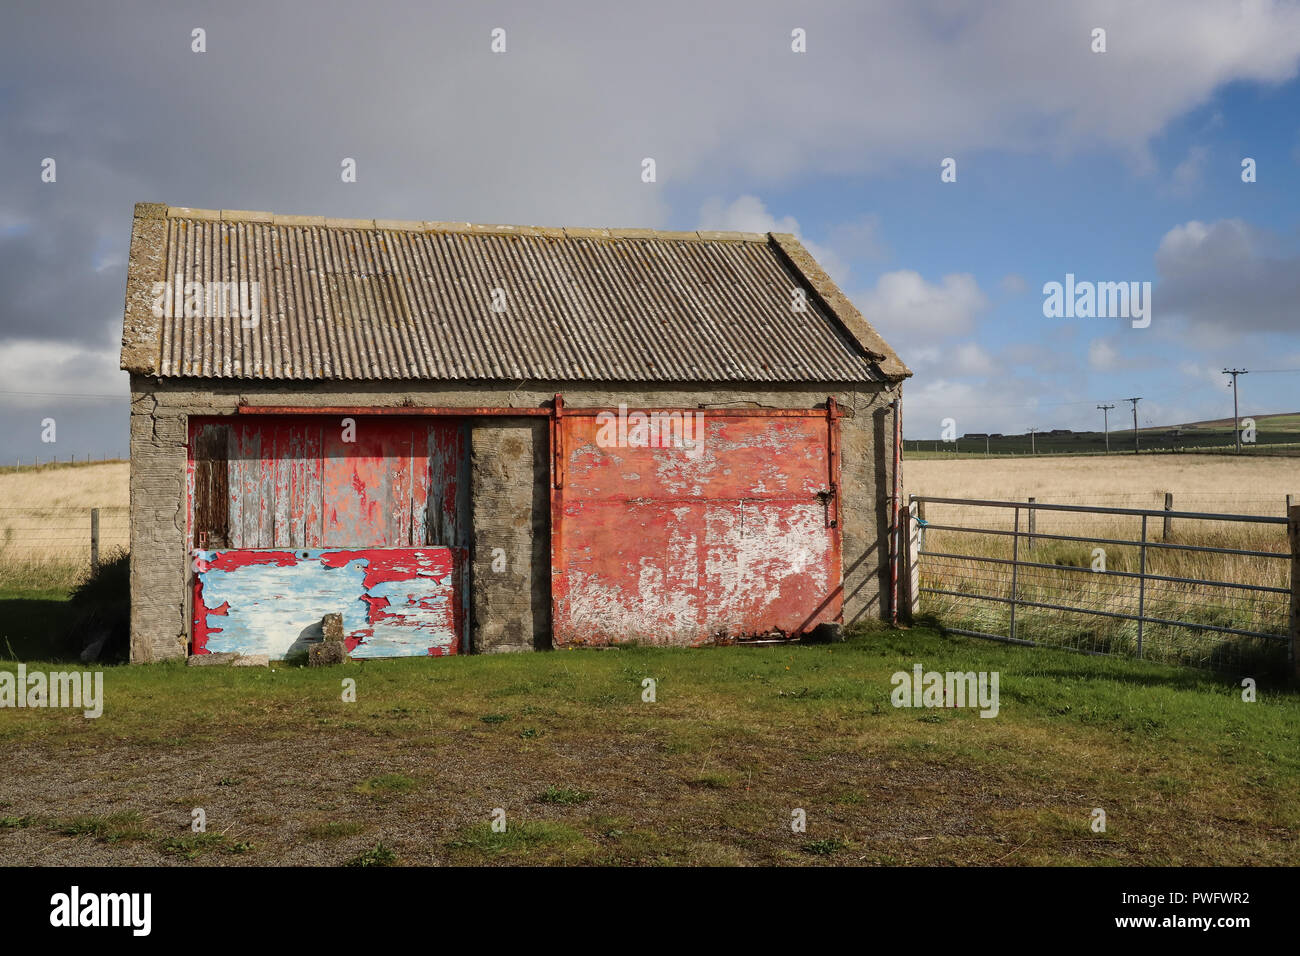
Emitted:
<point x="363" y="299"/>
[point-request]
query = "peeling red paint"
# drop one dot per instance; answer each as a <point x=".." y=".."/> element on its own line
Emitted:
<point x="230" y="560"/>
<point x="372" y="491"/>
<point x="658" y="545"/>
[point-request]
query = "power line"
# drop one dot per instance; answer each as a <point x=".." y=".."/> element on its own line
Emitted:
<point x="1105" y="423"/>
<point x="1135" y="421"/>
<point x="62" y="394"/>
<point x="1236" y="422"/>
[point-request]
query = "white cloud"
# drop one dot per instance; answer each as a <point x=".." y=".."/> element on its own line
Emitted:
<point x="749" y="214"/>
<point x="1014" y="284"/>
<point x="35" y="373"/>
<point x="1102" y="356"/>
<point x="859" y="240"/>
<point x="1187" y="175"/>
<point x="904" y="306"/>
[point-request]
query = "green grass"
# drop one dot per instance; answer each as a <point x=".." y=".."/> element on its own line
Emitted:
<point x="386" y="785"/>
<point x="739" y="737"/>
<point x="827" y="847"/>
<point x="112" y="828"/>
<point x="334" y="829"/>
<point x="378" y="855"/>
<point x="535" y="840"/>
<point x="194" y="845"/>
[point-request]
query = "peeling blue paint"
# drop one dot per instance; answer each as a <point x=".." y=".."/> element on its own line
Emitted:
<point x="394" y="602"/>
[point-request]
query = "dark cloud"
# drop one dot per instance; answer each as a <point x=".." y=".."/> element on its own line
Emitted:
<point x="554" y="130"/>
<point x="1229" y="276"/>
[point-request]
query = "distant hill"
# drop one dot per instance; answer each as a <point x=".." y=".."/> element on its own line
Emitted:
<point x="1277" y="434"/>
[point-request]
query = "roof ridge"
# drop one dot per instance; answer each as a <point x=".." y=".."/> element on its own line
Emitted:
<point x="163" y="211"/>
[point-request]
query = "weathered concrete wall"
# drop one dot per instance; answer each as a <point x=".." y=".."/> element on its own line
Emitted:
<point x="510" y="609"/>
<point x="509" y="557"/>
<point x="159" y="559"/>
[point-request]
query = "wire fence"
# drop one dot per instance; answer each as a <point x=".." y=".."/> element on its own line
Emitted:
<point x="56" y="546"/>
<point x="1181" y="586"/>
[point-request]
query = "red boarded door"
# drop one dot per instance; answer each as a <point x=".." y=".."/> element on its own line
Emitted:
<point x="691" y="529"/>
<point x="296" y="516"/>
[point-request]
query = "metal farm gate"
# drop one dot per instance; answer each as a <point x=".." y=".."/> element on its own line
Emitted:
<point x="292" y="517"/>
<point x="1200" y="588"/>
<point x="688" y="526"/>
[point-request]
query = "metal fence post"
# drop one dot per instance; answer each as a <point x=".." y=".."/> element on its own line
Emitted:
<point x="1142" y="585"/>
<point x="1033" y="525"/>
<point x="913" y="559"/>
<point x="1169" y="506"/>
<point x="94" y="539"/>
<point x="1015" y="566"/>
<point x="1293" y="532"/>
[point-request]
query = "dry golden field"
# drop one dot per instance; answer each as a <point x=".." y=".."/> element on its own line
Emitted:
<point x="45" y="520"/>
<point x="1246" y="485"/>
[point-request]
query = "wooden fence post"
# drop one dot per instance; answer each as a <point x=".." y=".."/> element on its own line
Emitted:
<point x="1293" y="532"/>
<point x="1033" y="524"/>
<point x="1169" y="506"/>
<point x="94" y="539"/>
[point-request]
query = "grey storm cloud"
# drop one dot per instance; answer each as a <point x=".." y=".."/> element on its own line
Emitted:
<point x="1229" y="275"/>
<point x="554" y="130"/>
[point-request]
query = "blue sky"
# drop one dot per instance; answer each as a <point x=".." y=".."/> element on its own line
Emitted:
<point x="1114" y="166"/>
<point x="1102" y="216"/>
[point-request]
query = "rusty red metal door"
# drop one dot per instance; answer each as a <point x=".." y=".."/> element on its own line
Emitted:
<point x="686" y="527"/>
<point x="296" y="516"/>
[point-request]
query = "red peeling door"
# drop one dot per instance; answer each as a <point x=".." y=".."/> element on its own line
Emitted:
<point x="708" y="526"/>
<point x="293" y="517"/>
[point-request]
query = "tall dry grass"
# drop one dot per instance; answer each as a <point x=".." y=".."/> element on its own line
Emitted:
<point x="45" y="522"/>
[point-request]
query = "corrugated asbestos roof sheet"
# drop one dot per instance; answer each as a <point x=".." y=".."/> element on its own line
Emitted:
<point x="356" y="299"/>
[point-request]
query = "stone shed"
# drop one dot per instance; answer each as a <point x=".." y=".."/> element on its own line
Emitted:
<point x="469" y="438"/>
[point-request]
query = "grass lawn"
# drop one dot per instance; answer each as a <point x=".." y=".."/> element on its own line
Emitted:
<point x="738" y="739"/>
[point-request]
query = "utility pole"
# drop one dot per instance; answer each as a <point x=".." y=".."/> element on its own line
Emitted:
<point x="1033" y="447"/>
<point x="1236" y="423"/>
<point x="1135" y="421"/>
<point x="1105" y="423"/>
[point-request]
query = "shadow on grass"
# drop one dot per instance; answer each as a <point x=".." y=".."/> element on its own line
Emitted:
<point x="43" y="624"/>
<point x="34" y="627"/>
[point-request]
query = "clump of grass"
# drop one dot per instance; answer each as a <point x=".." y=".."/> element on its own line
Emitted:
<point x="518" y="838"/>
<point x="827" y="847"/>
<point x="386" y="784"/>
<point x="494" y="718"/>
<point x="563" y="796"/>
<point x="334" y="829"/>
<point x="193" y="845"/>
<point x="377" y="855"/>
<point x="112" y="828"/>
